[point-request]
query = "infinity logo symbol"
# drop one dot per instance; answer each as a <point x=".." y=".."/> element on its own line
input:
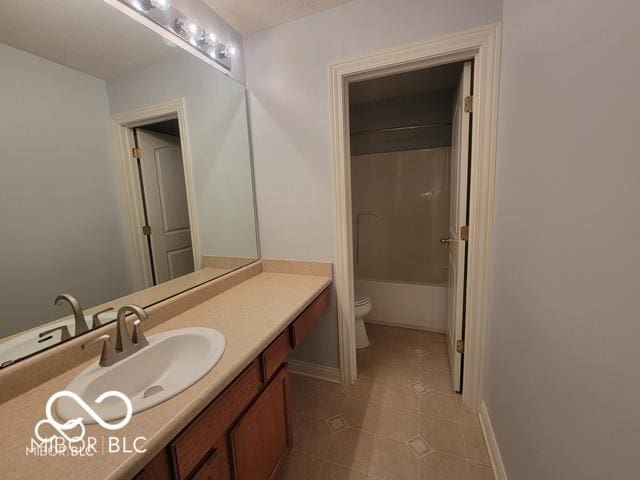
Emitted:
<point x="62" y="428"/>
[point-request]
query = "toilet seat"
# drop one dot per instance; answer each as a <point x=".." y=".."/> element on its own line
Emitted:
<point x="361" y="300"/>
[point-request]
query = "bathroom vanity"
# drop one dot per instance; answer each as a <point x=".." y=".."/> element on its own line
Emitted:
<point x="245" y="433"/>
<point x="233" y="423"/>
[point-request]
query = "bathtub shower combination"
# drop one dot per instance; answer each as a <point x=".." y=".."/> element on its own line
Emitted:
<point x="400" y="204"/>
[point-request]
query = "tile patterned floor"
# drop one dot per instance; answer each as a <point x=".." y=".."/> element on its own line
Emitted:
<point x="400" y="421"/>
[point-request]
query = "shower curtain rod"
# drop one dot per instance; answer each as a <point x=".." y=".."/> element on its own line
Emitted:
<point x="408" y="127"/>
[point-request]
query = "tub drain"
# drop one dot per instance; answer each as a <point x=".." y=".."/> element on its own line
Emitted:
<point x="152" y="391"/>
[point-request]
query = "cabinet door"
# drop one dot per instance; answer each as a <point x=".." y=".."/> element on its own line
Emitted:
<point x="262" y="438"/>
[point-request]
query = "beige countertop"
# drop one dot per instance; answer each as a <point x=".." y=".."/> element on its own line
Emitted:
<point x="249" y="315"/>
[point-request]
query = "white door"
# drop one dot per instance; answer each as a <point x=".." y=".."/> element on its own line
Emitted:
<point x="457" y="219"/>
<point x="165" y="196"/>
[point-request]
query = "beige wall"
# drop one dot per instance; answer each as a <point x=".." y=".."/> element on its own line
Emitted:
<point x="287" y="75"/>
<point x="563" y="384"/>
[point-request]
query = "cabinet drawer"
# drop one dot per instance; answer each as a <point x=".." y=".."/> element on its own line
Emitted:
<point x="198" y="440"/>
<point x="275" y="355"/>
<point x="261" y="440"/>
<point x="307" y="319"/>
<point x="216" y="466"/>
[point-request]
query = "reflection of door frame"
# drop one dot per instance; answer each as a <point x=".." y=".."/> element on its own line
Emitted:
<point x="483" y="46"/>
<point x="129" y="183"/>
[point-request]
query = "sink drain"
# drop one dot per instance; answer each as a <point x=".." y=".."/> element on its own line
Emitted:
<point x="152" y="391"/>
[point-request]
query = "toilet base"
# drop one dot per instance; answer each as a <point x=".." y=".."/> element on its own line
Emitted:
<point x="362" y="339"/>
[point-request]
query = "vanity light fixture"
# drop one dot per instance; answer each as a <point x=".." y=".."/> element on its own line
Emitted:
<point x="147" y="5"/>
<point x="161" y="4"/>
<point x="171" y="19"/>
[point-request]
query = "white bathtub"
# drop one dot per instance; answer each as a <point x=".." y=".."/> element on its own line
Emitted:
<point x="420" y="306"/>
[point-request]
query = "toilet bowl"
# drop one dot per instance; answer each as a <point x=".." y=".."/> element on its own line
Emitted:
<point x="362" y="306"/>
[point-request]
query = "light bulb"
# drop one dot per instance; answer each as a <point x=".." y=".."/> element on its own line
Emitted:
<point x="211" y="37"/>
<point x="232" y="49"/>
<point x="194" y="30"/>
<point x="188" y="30"/>
<point x="161" y="4"/>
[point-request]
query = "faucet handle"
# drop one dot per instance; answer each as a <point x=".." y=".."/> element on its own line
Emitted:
<point x="138" y="337"/>
<point x="65" y="334"/>
<point x="108" y="353"/>
<point x="96" y="317"/>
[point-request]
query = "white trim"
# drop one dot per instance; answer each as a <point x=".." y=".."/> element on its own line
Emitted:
<point x="130" y="194"/>
<point x="483" y="46"/>
<point x="314" y="370"/>
<point x="499" y="471"/>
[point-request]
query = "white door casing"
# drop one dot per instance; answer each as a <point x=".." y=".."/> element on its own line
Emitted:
<point x="482" y="44"/>
<point x="166" y="204"/>
<point x="457" y="219"/>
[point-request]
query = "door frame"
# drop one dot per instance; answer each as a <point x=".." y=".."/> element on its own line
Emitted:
<point x="129" y="183"/>
<point x="482" y="45"/>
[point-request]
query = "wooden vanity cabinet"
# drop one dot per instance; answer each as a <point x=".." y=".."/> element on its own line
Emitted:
<point x="245" y="433"/>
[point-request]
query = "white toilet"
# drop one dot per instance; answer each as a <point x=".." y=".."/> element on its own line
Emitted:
<point x="362" y="307"/>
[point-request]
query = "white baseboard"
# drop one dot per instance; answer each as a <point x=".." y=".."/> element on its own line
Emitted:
<point x="403" y="325"/>
<point x="313" y="370"/>
<point x="499" y="472"/>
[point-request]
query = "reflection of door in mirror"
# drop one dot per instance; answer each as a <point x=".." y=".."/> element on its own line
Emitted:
<point x="165" y="205"/>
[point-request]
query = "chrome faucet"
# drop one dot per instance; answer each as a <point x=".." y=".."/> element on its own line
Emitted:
<point x="125" y="345"/>
<point x="81" y="325"/>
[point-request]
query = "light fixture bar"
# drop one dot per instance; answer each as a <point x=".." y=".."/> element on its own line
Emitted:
<point x="172" y="20"/>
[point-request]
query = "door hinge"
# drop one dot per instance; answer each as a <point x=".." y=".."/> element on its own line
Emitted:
<point x="136" y="152"/>
<point x="146" y="231"/>
<point x="468" y="104"/>
<point x="464" y="233"/>
<point x="460" y="346"/>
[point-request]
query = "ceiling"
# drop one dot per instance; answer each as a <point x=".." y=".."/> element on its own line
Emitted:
<point x="86" y="35"/>
<point x="248" y="16"/>
<point x="443" y="77"/>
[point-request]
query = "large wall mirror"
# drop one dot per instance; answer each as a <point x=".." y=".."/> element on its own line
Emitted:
<point x="125" y="172"/>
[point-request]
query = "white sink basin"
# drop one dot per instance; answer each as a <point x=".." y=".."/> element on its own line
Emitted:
<point x="171" y="363"/>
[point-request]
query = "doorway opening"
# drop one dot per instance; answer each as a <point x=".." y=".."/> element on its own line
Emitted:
<point x="477" y="52"/>
<point x="157" y="192"/>
<point x="410" y="151"/>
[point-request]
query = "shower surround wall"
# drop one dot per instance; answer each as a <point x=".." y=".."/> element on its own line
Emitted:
<point x="400" y="203"/>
